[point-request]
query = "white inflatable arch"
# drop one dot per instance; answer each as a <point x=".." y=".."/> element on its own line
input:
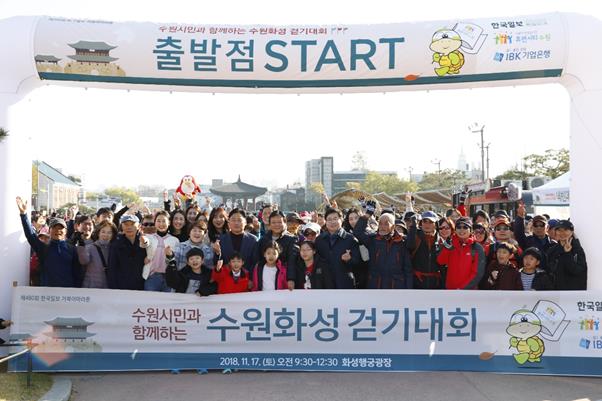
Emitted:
<point x="503" y="51"/>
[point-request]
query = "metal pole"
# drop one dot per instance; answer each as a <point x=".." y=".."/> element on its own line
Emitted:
<point x="487" y="147"/>
<point x="29" y="363"/>
<point x="482" y="156"/>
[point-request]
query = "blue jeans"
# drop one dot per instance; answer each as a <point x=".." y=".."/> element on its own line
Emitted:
<point x="156" y="282"/>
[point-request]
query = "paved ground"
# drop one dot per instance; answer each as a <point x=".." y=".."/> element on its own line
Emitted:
<point x="293" y="386"/>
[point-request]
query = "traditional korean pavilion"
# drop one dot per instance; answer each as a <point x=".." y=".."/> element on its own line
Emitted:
<point x="92" y="52"/>
<point x="68" y="328"/>
<point x="40" y="58"/>
<point x="239" y="191"/>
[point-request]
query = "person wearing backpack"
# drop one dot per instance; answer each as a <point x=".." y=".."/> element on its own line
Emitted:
<point x="464" y="257"/>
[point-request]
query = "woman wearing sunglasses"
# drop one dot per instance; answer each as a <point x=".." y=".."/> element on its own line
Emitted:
<point x="464" y="257"/>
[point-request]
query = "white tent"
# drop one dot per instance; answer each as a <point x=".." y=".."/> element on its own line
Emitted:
<point x="554" y="193"/>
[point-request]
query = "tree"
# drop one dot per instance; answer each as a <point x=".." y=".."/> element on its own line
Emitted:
<point x="391" y="184"/>
<point x="353" y="185"/>
<point x="126" y="195"/>
<point x="513" y="174"/>
<point x="92" y="196"/>
<point x="444" y="179"/>
<point x="317" y="188"/>
<point x="553" y="163"/>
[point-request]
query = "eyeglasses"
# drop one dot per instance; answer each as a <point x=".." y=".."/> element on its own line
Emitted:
<point x="462" y="227"/>
<point x="482" y="232"/>
<point x="502" y="228"/>
<point x="148" y="224"/>
<point x="539" y="225"/>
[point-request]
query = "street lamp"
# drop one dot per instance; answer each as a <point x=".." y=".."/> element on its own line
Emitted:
<point x="438" y="163"/>
<point x="474" y="128"/>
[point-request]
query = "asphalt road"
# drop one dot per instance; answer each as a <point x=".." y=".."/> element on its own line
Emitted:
<point x="293" y="386"/>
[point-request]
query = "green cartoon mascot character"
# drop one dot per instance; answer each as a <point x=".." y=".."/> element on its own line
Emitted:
<point x="445" y="45"/>
<point x="524" y="328"/>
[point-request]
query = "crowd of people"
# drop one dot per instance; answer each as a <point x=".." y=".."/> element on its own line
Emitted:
<point x="218" y="251"/>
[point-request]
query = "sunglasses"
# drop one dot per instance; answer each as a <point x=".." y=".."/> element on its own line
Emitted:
<point x="539" y="225"/>
<point x="502" y="228"/>
<point x="148" y="224"/>
<point x="308" y="233"/>
<point x="462" y="227"/>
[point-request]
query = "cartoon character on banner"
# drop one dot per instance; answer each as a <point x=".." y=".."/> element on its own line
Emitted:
<point x="188" y="189"/>
<point x="528" y="327"/>
<point x="447" y="43"/>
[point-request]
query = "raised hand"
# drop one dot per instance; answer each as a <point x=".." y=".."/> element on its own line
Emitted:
<point x="168" y="251"/>
<point x="370" y="207"/>
<point x="219" y="264"/>
<point x="22" y="205"/>
<point x="346" y="257"/>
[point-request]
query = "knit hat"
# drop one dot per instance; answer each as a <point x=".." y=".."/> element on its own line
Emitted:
<point x="533" y="251"/>
<point x="195" y="252"/>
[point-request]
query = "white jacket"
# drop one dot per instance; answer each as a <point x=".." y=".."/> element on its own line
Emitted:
<point x="151" y="247"/>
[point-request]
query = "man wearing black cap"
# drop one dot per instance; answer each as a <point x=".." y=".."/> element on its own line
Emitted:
<point x="59" y="264"/>
<point x="539" y="239"/>
<point x="566" y="259"/>
<point x="424" y="245"/>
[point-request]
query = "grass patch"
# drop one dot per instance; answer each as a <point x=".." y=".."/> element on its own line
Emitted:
<point x="13" y="386"/>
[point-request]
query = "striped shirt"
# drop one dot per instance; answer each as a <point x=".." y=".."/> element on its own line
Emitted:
<point x="527" y="280"/>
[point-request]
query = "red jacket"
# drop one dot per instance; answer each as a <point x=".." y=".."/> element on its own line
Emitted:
<point x="465" y="263"/>
<point x="226" y="283"/>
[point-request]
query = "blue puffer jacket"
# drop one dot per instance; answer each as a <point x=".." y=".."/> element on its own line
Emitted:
<point x="390" y="264"/>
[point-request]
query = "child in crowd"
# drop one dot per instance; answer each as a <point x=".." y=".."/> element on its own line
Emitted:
<point x="501" y="273"/>
<point x="312" y="271"/>
<point x="531" y="276"/>
<point x="193" y="278"/>
<point x="270" y="276"/>
<point x="232" y="278"/>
